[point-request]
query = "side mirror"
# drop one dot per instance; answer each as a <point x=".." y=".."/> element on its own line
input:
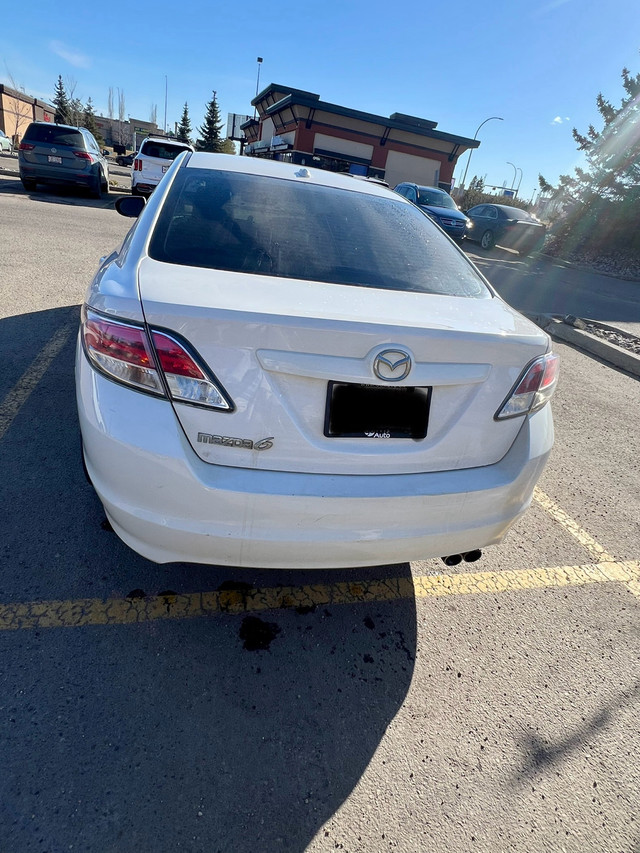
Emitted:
<point x="130" y="205"/>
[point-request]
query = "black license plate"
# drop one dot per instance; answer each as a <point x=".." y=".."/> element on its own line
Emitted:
<point x="375" y="411"/>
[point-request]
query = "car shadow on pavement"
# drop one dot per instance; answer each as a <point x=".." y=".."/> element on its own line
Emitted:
<point x="77" y="197"/>
<point x="72" y="196"/>
<point x="204" y="734"/>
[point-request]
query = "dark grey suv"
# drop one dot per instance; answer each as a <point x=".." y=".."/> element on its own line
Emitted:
<point x="63" y="155"/>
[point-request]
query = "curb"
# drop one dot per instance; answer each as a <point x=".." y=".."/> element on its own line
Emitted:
<point x="591" y="344"/>
<point x="587" y="267"/>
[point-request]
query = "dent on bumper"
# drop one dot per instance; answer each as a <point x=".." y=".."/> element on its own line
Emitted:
<point x="170" y="506"/>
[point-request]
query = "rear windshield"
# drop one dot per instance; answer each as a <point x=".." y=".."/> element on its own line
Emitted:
<point x="54" y="134"/>
<point x="517" y="213"/>
<point x="162" y="150"/>
<point x="290" y="229"/>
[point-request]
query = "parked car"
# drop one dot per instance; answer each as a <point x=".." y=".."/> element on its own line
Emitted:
<point x="439" y="205"/>
<point x="126" y="159"/>
<point x="509" y="226"/>
<point x="63" y="155"/>
<point x="152" y="161"/>
<point x="5" y="142"/>
<point x="284" y="367"/>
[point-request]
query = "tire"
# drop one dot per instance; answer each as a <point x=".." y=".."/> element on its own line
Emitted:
<point x="488" y="241"/>
<point x="29" y="184"/>
<point x="96" y="189"/>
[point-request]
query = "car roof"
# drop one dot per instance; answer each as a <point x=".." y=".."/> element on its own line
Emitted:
<point x="57" y="124"/>
<point x="165" y="139"/>
<point x="287" y="171"/>
<point x="510" y="210"/>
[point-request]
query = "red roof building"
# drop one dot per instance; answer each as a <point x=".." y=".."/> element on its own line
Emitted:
<point x="297" y="126"/>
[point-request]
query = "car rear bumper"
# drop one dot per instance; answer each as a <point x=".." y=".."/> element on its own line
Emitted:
<point x="168" y="505"/>
<point x="46" y="175"/>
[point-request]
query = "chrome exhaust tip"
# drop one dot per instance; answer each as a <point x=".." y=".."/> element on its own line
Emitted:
<point x="452" y="559"/>
<point x="472" y="556"/>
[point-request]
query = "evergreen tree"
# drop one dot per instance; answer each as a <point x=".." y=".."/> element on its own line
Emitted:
<point x="545" y="186"/>
<point x="601" y="201"/>
<point x="61" y="103"/>
<point x="76" y="112"/>
<point x="184" y="128"/>
<point x="210" y="139"/>
<point x="613" y="154"/>
<point x="89" y="121"/>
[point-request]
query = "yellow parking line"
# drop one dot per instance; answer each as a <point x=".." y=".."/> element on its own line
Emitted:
<point x="118" y="611"/>
<point x="22" y="390"/>
<point x="595" y="549"/>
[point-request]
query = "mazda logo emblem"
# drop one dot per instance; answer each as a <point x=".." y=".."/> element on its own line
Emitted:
<point x="392" y="365"/>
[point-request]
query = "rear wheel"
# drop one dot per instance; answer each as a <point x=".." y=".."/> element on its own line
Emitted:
<point x="29" y="184"/>
<point x="96" y="189"/>
<point x="487" y="241"/>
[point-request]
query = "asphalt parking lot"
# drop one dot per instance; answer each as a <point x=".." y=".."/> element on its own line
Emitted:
<point x="487" y="707"/>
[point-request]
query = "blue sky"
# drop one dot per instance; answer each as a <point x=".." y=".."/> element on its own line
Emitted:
<point x="538" y="64"/>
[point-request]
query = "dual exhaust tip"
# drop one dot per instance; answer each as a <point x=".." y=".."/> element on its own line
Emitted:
<point x="468" y="557"/>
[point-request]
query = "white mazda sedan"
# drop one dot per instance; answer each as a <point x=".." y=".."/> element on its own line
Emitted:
<point x="284" y="367"/>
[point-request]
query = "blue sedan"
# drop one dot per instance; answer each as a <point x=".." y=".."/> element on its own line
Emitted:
<point x="511" y="227"/>
<point x="439" y="205"/>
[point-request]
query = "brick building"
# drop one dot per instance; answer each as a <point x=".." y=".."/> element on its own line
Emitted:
<point x="297" y="126"/>
<point x="18" y="110"/>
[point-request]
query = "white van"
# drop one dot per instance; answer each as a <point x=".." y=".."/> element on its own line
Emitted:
<point x="154" y="158"/>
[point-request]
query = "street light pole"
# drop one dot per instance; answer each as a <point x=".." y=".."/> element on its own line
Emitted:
<point x="259" y="61"/>
<point x="475" y="136"/>
<point x="519" y="182"/>
<point x="166" y="87"/>
<point x="515" y="174"/>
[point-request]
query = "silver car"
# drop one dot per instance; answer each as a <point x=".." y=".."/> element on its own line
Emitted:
<point x="63" y="155"/>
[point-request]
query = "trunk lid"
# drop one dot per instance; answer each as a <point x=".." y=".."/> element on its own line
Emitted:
<point x="275" y="345"/>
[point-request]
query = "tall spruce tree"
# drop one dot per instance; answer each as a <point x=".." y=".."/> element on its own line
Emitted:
<point x="613" y="154"/>
<point x="210" y="139"/>
<point x="184" y="128"/>
<point x="61" y="103"/>
<point x="89" y="121"/>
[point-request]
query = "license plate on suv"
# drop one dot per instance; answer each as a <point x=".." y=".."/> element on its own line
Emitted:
<point x="53" y="159"/>
<point x="376" y="411"/>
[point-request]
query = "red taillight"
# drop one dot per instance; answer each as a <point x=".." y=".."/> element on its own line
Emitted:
<point x="187" y="381"/>
<point x="137" y="165"/>
<point x="534" y="388"/>
<point x="83" y="155"/>
<point x="174" y="358"/>
<point x="25" y="146"/>
<point x="127" y="343"/>
<point x="123" y="352"/>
